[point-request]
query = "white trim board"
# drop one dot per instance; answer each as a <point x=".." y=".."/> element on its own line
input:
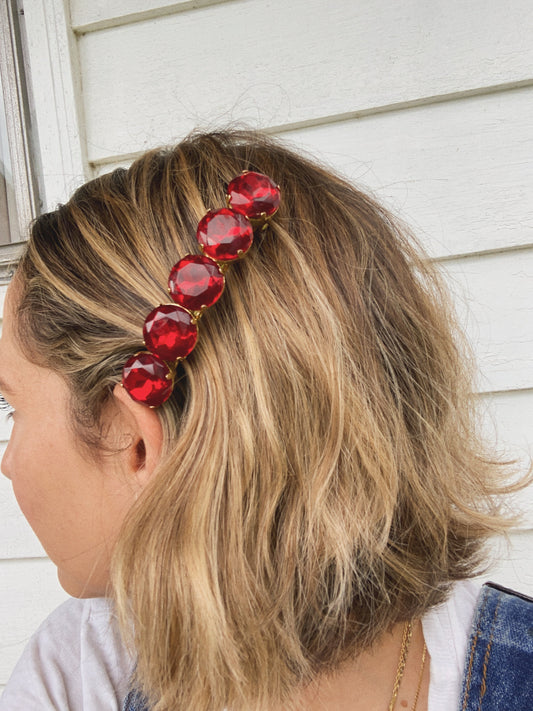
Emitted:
<point x="55" y="91"/>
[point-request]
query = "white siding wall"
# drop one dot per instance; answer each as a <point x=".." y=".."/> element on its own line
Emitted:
<point x="426" y="104"/>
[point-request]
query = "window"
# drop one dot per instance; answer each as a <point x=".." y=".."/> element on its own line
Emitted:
<point x="18" y="195"/>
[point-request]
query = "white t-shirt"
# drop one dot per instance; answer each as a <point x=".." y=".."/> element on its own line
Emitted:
<point x="447" y="631"/>
<point x="76" y="660"/>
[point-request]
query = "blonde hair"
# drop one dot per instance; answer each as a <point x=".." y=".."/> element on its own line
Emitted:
<point x="321" y="477"/>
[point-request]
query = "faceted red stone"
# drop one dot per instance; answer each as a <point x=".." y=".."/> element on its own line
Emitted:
<point x="224" y="234"/>
<point x="170" y="332"/>
<point x="147" y="379"/>
<point x="195" y="281"/>
<point x="254" y="195"/>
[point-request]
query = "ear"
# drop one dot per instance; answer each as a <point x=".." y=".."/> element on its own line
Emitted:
<point x="143" y="427"/>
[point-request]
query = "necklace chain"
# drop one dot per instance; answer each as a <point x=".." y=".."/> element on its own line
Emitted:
<point x="420" y="675"/>
<point x="406" y="640"/>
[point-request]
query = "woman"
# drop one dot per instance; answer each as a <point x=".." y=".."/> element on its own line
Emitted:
<point x="282" y="511"/>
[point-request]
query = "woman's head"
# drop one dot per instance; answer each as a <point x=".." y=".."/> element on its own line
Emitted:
<point x="74" y="502"/>
<point x="318" y="479"/>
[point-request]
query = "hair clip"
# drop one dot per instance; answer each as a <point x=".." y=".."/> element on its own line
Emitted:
<point x="195" y="283"/>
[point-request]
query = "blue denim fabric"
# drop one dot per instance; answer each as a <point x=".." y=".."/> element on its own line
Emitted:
<point x="499" y="665"/>
<point x="134" y="702"/>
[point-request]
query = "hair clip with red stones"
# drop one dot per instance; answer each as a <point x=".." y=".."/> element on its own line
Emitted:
<point x="196" y="282"/>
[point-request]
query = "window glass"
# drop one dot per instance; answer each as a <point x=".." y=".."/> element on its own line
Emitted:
<point x="8" y="208"/>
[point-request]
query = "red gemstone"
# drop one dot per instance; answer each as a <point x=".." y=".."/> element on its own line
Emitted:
<point x="254" y="195"/>
<point x="147" y="379"/>
<point x="195" y="281"/>
<point x="224" y="234"/>
<point x="170" y="332"/>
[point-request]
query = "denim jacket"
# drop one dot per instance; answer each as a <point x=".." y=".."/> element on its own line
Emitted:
<point x="499" y="665"/>
<point x="498" y="672"/>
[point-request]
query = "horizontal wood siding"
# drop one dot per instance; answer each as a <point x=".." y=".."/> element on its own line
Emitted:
<point x="458" y="171"/>
<point x="278" y="63"/>
<point x="102" y="14"/>
<point x="493" y="299"/>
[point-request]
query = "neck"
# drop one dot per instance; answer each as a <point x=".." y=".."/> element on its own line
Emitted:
<point x="366" y="683"/>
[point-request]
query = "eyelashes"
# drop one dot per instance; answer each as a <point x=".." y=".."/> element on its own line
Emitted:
<point x="6" y="408"/>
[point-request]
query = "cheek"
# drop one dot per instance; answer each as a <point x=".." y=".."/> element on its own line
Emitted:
<point x="14" y="467"/>
<point x="28" y="470"/>
<point x="44" y="508"/>
<point x="30" y="498"/>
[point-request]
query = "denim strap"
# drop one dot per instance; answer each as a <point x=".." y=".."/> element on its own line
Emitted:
<point x="499" y="665"/>
<point x="134" y="701"/>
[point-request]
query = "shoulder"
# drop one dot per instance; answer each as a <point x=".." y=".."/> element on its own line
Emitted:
<point x="75" y="660"/>
<point x="500" y="657"/>
<point x="503" y="615"/>
<point x="451" y="621"/>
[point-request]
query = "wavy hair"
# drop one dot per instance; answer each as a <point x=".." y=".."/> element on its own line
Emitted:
<point x="321" y="476"/>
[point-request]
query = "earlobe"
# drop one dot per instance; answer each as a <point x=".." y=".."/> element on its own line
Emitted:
<point x="144" y="432"/>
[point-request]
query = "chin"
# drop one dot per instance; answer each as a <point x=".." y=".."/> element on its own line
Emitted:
<point x="75" y="587"/>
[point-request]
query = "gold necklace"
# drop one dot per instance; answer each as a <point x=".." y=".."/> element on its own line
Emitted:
<point x="420" y="675"/>
<point x="406" y="639"/>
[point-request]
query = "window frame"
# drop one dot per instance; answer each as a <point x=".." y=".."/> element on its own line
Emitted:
<point x="16" y="102"/>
